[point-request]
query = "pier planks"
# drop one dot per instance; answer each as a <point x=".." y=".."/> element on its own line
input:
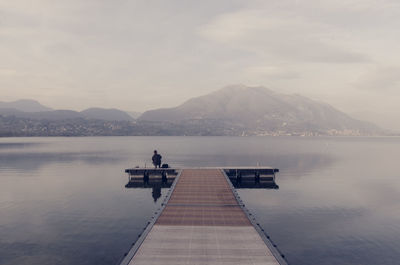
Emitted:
<point x="203" y="224"/>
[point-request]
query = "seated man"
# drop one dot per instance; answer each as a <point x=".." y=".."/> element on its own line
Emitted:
<point x="156" y="159"/>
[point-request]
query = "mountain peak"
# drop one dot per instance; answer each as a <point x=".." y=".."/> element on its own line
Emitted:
<point x="27" y="108"/>
<point x="240" y="88"/>
<point x="258" y="108"/>
<point x="25" y="105"/>
<point x="106" y="114"/>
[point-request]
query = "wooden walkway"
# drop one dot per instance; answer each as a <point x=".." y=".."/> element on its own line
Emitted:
<point x="202" y="223"/>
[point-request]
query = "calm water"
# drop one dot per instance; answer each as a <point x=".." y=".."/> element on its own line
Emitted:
<point x="64" y="201"/>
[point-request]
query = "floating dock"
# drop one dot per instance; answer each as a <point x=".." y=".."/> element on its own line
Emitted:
<point x="202" y="222"/>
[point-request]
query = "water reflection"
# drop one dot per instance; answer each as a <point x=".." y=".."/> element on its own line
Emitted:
<point x="252" y="183"/>
<point x="252" y="178"/>
<point x="293" y="163"/>
<point x="35" y="161"/>
<point x="142" y="179"/>
<point x="153" y="183"/>
<point x="16" y="145"/>
<point x="337" y="202"/>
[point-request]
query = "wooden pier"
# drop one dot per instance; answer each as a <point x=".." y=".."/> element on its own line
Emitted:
<point x="202" y="222"/>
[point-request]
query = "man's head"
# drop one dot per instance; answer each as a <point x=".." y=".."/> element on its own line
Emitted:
<point x="155" y="152"/>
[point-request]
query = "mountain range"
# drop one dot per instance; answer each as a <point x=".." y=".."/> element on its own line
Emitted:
<point x="232" y="110"/>
<point x="24" y="105"/>
<point x="31" y="109"/>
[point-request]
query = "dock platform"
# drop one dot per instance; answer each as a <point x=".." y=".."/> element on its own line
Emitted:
<point x="202" y="222"/>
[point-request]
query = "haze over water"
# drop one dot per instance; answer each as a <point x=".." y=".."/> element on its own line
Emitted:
<point x="64" y="201"/>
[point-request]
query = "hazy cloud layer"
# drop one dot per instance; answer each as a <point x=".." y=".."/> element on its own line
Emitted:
<point x="137" y="55"/>
<point x="385" y="79"/>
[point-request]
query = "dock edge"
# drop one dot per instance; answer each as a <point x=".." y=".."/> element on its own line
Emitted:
<point x="136" y="245"/>
<point x="279" y="256"/>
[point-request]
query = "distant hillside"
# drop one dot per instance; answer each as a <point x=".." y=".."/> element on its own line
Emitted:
<point x="106" y="114"/>
<point x="233" y="110"/>
<point x="99" y="114"/>
<point x="25" y="105"/>
<point x="30" y="109"/>
<point x="134" y="114"/>
<point x="259" y="110"/>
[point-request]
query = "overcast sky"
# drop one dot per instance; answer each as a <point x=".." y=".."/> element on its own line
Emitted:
<point x="138" y="55"/>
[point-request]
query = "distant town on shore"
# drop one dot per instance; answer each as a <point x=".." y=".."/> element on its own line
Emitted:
<point x="231" y="111"/>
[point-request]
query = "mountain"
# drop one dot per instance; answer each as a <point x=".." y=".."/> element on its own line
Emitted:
<point x="30" y="109"/>
<point x="106" y="114"/>
<point x="259" y="110"/>
<point x="25" y="105"/>
<point x="134" y="114"/>
<point x="234" y="110"/>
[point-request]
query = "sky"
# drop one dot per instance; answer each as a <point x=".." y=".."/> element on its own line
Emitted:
<point x="139" y="55"/>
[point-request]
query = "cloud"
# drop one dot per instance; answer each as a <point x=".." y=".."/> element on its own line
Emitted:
<point x="380" y="78"/>
<point x="271" y="72"/>
<point x="142" y="54"/>
<point x="274" y="35"/>
<point x="7" y="72"/>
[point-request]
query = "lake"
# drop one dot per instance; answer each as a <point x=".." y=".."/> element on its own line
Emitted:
<point x="64" y="201"/>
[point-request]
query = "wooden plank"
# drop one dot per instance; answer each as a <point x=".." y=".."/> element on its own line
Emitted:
<point x="203" y="224"/>
<point x="201" y="245"/>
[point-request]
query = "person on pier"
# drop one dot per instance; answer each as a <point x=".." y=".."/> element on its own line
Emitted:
<point x="156" y="159"/>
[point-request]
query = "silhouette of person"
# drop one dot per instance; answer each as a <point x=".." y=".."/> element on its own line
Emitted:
<point x="156" y="159"/>
<point x="156" y="192"/>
